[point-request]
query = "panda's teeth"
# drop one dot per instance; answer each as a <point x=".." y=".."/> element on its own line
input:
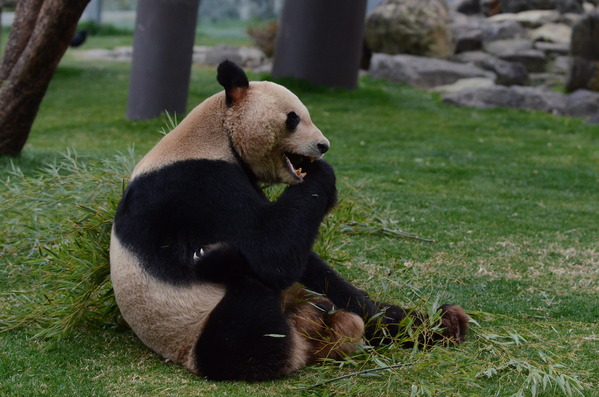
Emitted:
<point x="300" y="173"/>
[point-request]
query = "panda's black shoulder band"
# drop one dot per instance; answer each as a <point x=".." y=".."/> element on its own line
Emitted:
<point x="233" y="79"/>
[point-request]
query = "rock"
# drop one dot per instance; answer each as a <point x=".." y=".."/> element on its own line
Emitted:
<point x="501" y="30"/>
<point x="559" y="5"/>
<point x="123" y="53"/>
<point x="468" y="7"/>
<point x="264" y="68"/>
<point x="560" y="65"/>
<point x="471" y="41"/>
<point x="533" y="60"/>
<point x="504" y="47"/>
<point x="418" y="27"/>
<point x="508" y="73"/>
<point x="594" y="119"/>
<point x="249" y="57"/>
<point x="464" y="84"/>
<point x="589" y="6"/>
<point x="536" y="18"/>
<point x="527" y="19"/>
<point x="546" y="80"/>
<point x="553" y="49"/>
<point x="573" y="6"/>
<point x="472" y="57"/>
<point x="199" y="54"/>
<point x="422" y="72"/>
<point x="553" y="33"/>
<point x="466" y="37"/>
<point x="519" y="51"/>
<point x="582" y="103"/>
<point x="95" y="53"/>
<point x="118" y="54"/>
<point x="503" y="17"/>
<point x="570" y="19"/>
<point x="584" y="67"/>
<point x="531" y="98"/>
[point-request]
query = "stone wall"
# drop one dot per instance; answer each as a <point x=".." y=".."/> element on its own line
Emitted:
<point x="520" y="59"/>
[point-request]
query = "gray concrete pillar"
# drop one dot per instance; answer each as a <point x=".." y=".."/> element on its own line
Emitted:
<point x="162" y="54"/>
<point x="320" y="41"/>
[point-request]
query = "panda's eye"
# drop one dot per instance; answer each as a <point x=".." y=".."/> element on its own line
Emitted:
<point x="292" y="121"/>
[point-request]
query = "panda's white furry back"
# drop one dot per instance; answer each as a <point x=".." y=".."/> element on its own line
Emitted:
<point x="208" y="273"/>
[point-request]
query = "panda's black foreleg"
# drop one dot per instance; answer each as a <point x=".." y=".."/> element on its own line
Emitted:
<point x="321" y="278"/>
<point x="221" y="263"/>
<point x="383" y="321"/>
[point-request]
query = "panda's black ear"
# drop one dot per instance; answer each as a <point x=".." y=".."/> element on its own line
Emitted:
<point x="233" y="79"/>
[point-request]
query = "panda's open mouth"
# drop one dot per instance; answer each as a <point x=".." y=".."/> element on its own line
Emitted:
<point x="293" y="163"/>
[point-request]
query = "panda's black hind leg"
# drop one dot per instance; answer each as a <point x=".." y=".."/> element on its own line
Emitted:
<point x="247" y="336"/>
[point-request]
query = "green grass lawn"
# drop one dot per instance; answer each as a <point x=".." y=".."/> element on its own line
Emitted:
<point x="510" y="199"/>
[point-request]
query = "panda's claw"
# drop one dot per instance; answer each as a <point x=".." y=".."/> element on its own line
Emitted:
<point x="197" y="257"/>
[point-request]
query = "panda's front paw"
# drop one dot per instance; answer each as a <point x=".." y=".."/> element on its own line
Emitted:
<point x="393" y="323"/>
<point x="320" y="178"/>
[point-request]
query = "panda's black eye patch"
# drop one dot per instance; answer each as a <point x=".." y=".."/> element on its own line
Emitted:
<point x="292" y="121"/>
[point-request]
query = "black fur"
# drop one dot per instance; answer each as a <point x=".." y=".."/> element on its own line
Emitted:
<point x="168" y="215"/>
<point x="246" y="337"/>
<point x="231" y="76"/>
<point x="292" y="121"/>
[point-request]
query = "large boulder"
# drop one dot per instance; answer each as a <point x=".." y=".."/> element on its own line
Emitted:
<point x="532" y="98"/>
<point x="518" y="51"/>
<point x="552" y="33"/>
<point x="417" y="27"/>
<point x="584" y="67"/>
<point x="534" y="61"/>
<point x="508" y="73"/>
<point x="422" y="72"/>
<point x="582" y="103"/>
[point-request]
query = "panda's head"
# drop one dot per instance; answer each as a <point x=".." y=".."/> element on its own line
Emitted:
<point x="269" y="127"/>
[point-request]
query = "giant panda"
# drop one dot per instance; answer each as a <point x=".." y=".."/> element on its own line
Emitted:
<point x="213" y="276"/>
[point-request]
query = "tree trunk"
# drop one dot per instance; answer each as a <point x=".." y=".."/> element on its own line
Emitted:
<point x="39" y="38"/>
<point x="320" y="41"/>
<point x="22" y="28"/>
<point x="162" y="55"/>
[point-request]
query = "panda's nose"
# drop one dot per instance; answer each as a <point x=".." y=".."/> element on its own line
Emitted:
<point x="323" y="147"/>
